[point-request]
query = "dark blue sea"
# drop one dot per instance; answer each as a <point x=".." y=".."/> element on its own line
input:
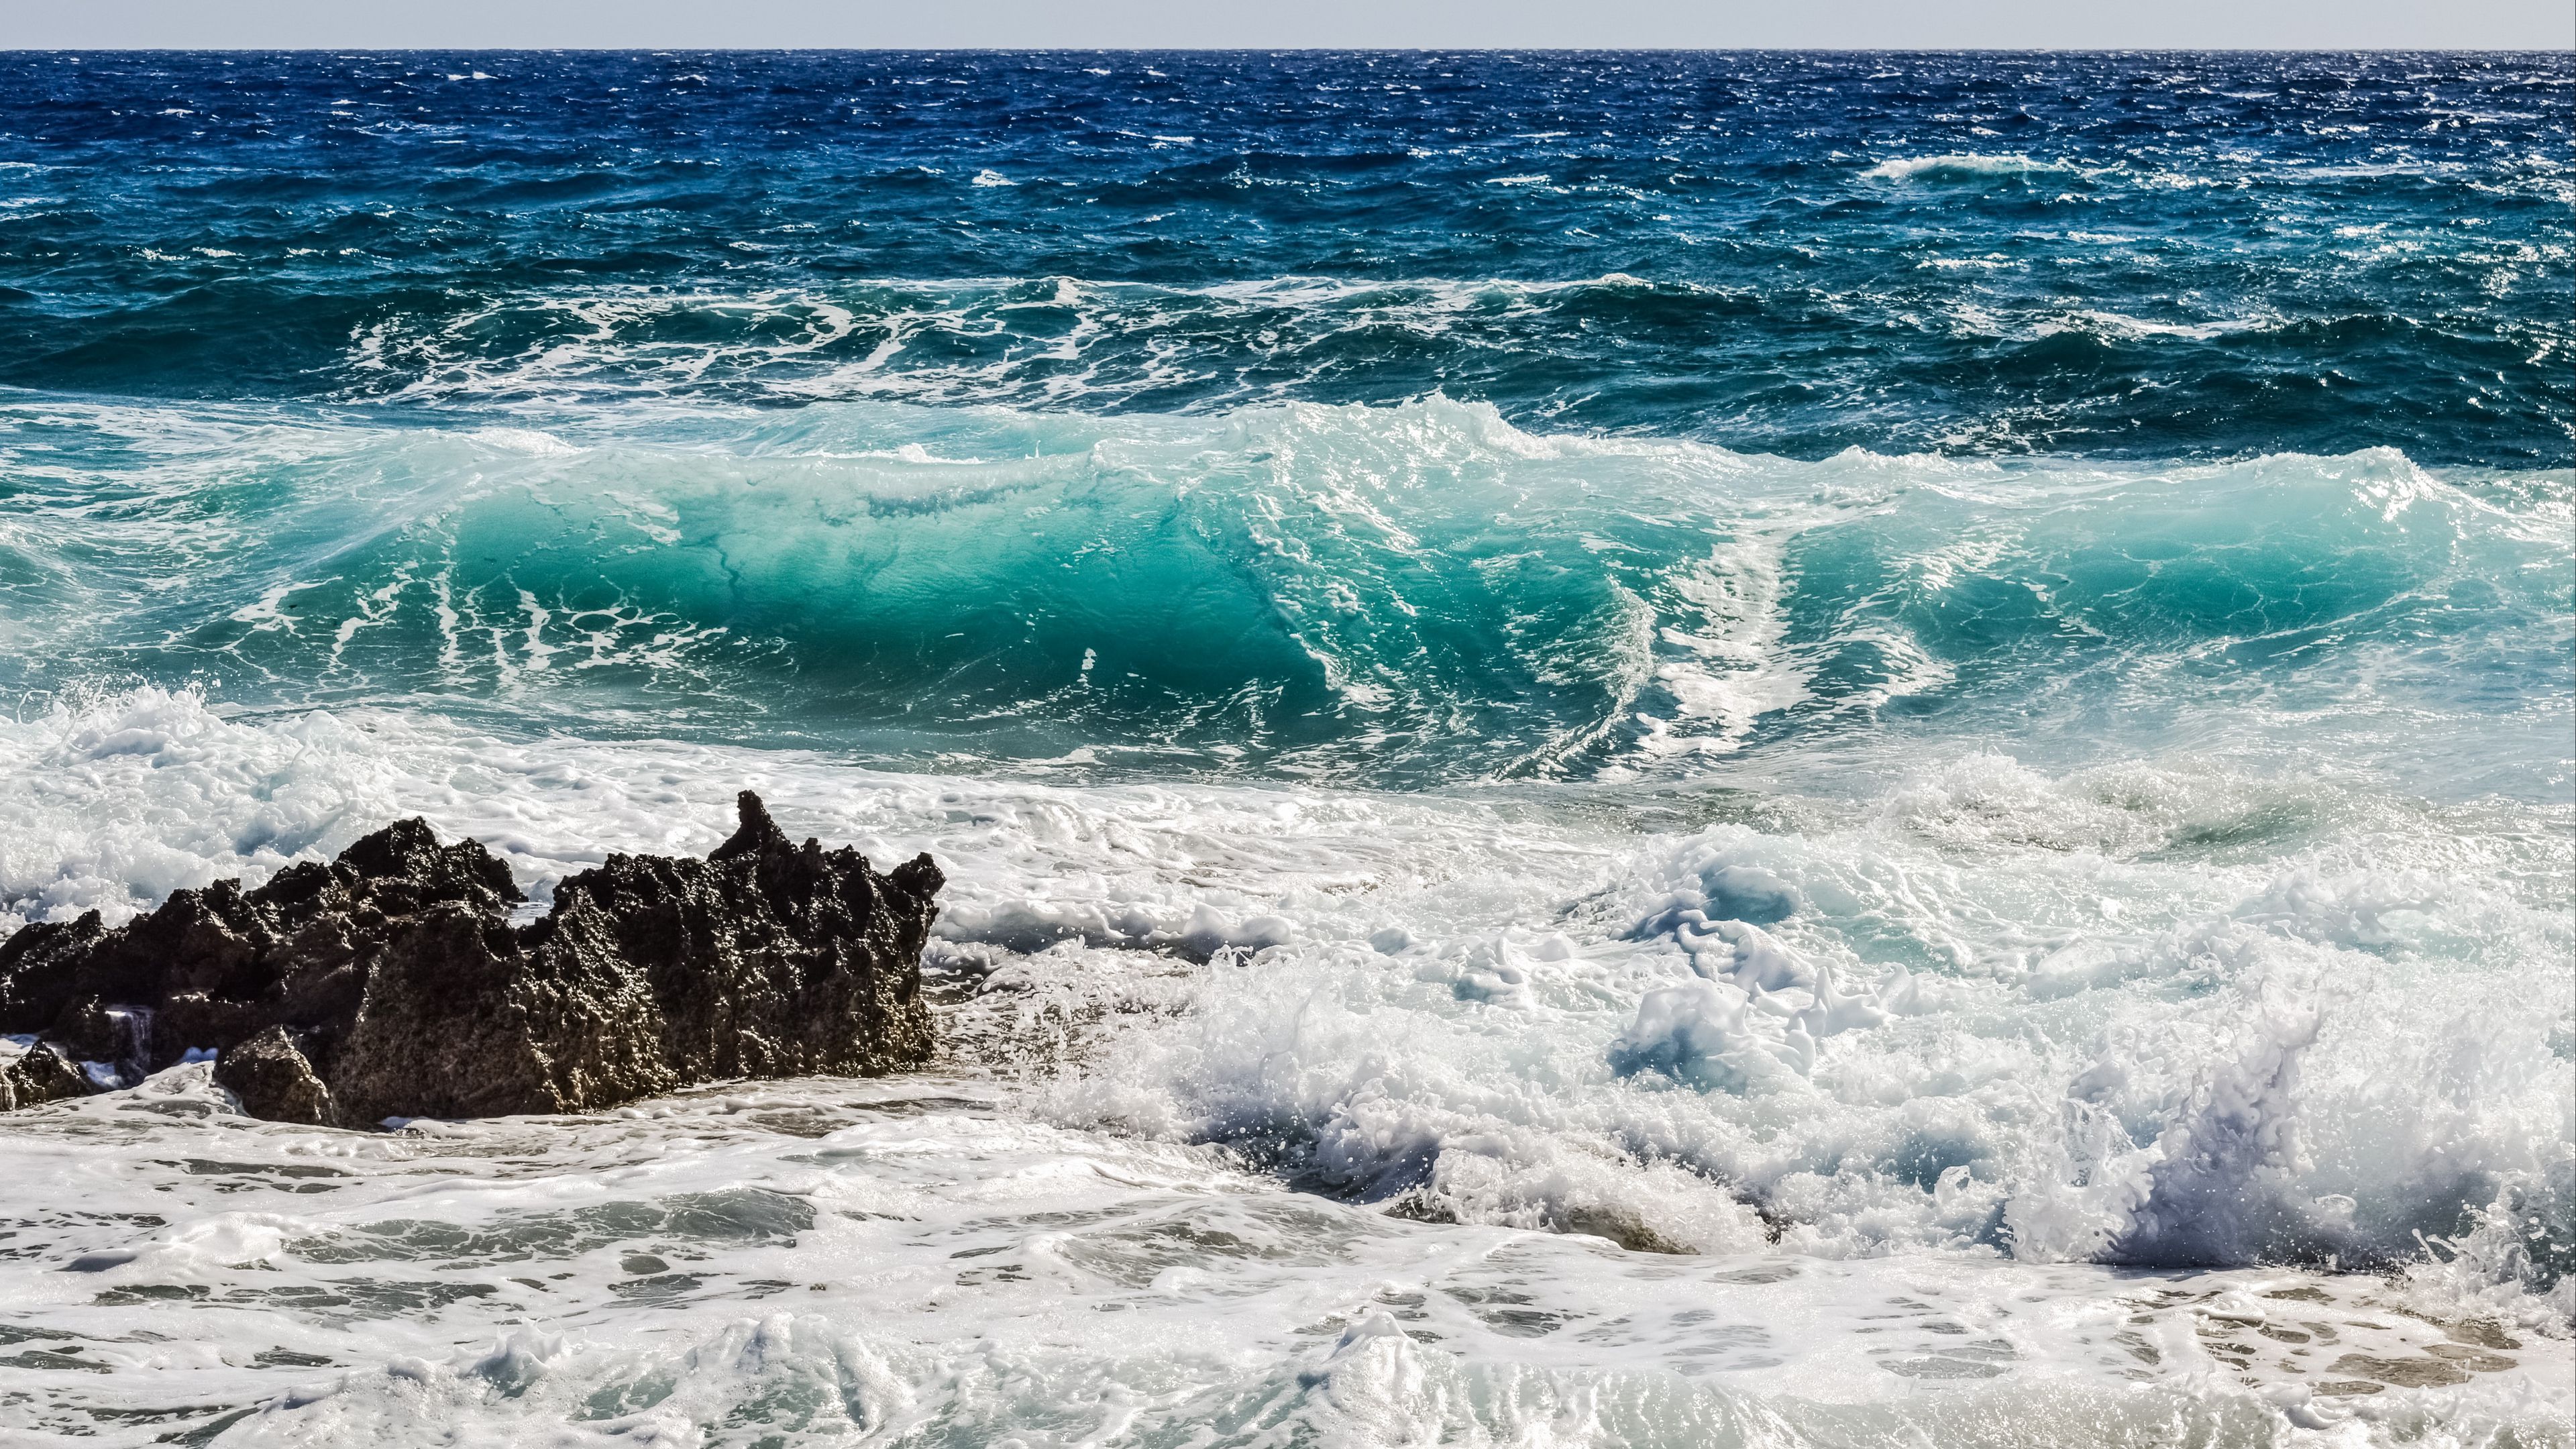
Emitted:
<point x="1633" y="748"/>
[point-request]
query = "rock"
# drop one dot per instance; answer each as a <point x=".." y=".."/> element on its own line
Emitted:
<point x="41" y="1074"/>
<point x="391" y="982"/>
<point x="271" y="1077"/>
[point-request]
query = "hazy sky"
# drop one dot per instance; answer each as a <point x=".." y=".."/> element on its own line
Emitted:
<point x="1856" y="24"/>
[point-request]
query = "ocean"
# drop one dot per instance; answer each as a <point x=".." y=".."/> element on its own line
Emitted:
<point x="1632" y="749"/>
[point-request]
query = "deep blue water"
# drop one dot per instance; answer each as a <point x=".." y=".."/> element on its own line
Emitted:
<point x="2132" y="255"/>
<point x="1382" y="417"/>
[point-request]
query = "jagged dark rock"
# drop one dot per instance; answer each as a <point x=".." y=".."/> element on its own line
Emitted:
<point x="271" y="1077"/>
<point x="391" y="982"/>
<point x="41" y="1074"/>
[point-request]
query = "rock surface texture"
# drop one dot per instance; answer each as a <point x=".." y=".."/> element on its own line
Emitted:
<point x="41" y="1075"/>
<point x="391" y="982"/>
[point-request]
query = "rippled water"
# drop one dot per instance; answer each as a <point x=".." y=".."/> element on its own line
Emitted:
<point x="2118" y="255"/>
<point x="1633" y="749"/>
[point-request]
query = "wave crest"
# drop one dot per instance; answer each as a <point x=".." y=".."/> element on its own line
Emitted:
<point x="1401" y="594"/>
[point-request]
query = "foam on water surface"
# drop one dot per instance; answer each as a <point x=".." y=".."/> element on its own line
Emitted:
<point x="1665" y="1111"/>
<point x="916" y="1262"/>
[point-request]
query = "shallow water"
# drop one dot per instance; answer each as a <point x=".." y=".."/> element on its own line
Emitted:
<point x="820" y="1262"/>
<point x="2093" y="1038"/>
<point x="1883" y="759"/>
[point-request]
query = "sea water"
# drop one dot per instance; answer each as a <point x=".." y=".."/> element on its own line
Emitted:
<point x="1632" y="749"/>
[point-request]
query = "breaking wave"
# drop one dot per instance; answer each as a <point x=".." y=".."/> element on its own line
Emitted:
<point x="1401" y="595"/>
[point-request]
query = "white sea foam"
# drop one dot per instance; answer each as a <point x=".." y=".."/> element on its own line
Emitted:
<point x="1872" y="1037"/>
<point x="1865" y="956"/>
<point x="911" y="1261"/>
<point x="2095" y="322"/>
<point x="1961" y="164"/>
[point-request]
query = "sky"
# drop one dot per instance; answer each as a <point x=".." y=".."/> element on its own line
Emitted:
<point x="1263" y="24"/>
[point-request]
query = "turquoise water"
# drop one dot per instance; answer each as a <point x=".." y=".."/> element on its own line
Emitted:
<point x="1403" y="596"/>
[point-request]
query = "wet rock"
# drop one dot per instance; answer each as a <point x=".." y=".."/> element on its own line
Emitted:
<point x="41" y="1074"/>
<point x="272" y="1078"/>
<point x="392" y="983"/>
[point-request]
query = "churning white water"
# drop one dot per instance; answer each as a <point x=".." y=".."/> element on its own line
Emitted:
<point x="1963" y="1103"/>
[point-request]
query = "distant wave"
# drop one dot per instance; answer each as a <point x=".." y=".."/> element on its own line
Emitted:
<point x="1997" y="367"/>
<point x="1053" y="340"/>
<point x="1963" y="165"/>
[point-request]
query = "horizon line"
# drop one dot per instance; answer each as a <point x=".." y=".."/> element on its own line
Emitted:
<point x="2568" y="53"/>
